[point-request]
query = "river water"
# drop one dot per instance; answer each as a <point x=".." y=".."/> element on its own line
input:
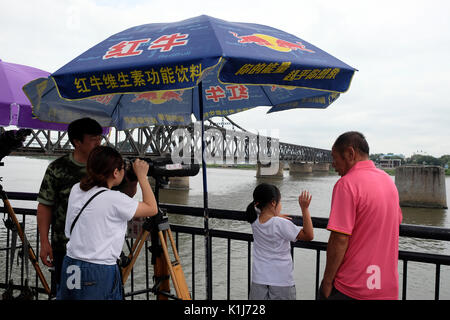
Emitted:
<point x="232" y="189"/>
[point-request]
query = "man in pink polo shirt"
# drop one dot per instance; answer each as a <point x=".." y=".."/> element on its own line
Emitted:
<point x="362" y="251"/>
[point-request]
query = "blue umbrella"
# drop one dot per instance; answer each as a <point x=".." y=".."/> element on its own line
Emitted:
<point x="162" y="73"/>
<point x="153" y="72"/>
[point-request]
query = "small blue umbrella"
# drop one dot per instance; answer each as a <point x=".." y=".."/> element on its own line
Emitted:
<point x="162" y="73"/>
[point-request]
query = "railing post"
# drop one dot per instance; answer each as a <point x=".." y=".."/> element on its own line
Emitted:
<point x="193" y="266"/>
<point x="317" y="273"/>
<point x="437" y="281"/>
<point x="249" y="266"/>
<point x="405" y="275"/>
<point x="228" y="267"/>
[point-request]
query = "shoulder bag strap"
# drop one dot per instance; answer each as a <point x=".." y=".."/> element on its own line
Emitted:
<point x="78" y="215"/>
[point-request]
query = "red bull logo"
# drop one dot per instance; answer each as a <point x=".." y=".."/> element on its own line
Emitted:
<point x="105" y="99"/>
<point x="271" y="42"/>
<point x="159" y="97"/>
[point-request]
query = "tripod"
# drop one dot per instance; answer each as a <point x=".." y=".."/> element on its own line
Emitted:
<point x="9" y="141"/>
<point x="13" y="224"/>
<point x="158" y="228"/>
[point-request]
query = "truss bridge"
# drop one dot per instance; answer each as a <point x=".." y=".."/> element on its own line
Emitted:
<point x="223" y="146"/>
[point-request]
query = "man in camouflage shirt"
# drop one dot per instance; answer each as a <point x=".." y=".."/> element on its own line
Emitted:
<point x="61" y="175"/>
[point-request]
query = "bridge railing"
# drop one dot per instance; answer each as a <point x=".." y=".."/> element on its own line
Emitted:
<point x="189" y="239"/>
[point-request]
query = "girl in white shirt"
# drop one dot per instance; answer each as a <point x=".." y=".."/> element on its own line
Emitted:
<point x="272" y="267"/>
<point x="90" y="271"/>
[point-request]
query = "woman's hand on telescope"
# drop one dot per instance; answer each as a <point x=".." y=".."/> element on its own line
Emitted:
<point x="140" y="168"/>
<point x="148" y="206"/>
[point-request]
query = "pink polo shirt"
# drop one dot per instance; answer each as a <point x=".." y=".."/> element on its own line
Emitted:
<point x="365" y="205"/>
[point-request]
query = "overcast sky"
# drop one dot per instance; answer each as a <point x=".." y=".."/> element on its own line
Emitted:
<point x="399" y="98"/>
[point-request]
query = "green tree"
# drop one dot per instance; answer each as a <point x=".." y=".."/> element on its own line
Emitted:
<point x="375" y="157"/>
<point x="445" y="159"/>
<point x="424" y="159"/>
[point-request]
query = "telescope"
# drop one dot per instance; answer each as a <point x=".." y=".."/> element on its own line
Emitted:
<point x="11" y="140"/>
<point x="163" y="167"/>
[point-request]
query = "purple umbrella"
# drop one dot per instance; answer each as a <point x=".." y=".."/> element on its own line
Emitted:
<point x="15" y="108"/>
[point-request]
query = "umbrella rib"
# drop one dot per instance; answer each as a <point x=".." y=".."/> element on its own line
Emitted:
<point x="116" y="106"/>
<point x="264" y="91"/>
<point x="217" y="38"/>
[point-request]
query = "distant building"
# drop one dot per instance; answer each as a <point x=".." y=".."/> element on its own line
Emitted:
<point x="390" y="161"/>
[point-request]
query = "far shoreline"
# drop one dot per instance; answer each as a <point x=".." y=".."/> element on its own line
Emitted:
<point x="390" y="172"/>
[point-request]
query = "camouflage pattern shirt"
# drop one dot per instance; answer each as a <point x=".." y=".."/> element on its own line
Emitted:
<point x="58" y="180"/>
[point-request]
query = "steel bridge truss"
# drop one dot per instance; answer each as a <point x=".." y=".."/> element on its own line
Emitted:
<point x="183" y="142"/>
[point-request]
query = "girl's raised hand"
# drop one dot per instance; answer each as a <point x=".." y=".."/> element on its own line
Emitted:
<point x="304" y="200"/>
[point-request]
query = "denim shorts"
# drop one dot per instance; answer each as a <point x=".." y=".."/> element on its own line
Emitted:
<point x="81" y="280"/>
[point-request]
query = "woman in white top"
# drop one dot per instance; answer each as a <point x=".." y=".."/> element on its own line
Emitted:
<point x="90" y="271"/>
<point x="272" y="267"/>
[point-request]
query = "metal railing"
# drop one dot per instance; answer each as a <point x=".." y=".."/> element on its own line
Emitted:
<point x="140" y="284"/>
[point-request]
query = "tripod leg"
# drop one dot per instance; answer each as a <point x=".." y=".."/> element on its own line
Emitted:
<point x="169" y="264"/>
<point x="174" y="248"/>
<point x="178" y="271"/>
<point x="137" y="246"/>
<point x="24" y="239"/>
<point x="175" y="270"/>
<point x="161" y="271"/>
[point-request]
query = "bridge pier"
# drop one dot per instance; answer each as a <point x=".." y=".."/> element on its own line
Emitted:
<point x="269" y="171"/>
<point x="300" y="168"/>
<point x="421" y="186"/>
<point x="322" y="167"/>
<point x="174" y="182"/>
<point x="179" y="182"/>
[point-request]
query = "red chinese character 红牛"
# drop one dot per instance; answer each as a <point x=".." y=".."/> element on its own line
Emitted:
<point x="215" y="93"/>
<point x="238" y="92"/>
<point x="167" y="42"/>
<point x="125" y="49"/>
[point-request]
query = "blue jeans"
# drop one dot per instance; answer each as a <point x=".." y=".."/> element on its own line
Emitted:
<point x="82" y="280"/>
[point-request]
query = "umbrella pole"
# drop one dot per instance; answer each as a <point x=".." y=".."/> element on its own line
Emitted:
<point x="208" y="244"/>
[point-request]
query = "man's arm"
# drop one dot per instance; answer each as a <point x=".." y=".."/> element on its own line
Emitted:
<point x="44" y="219"/>
<point x="337" y="246"/>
